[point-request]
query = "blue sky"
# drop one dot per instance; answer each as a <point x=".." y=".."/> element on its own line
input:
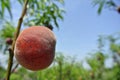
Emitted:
<point x="79" y="31"/>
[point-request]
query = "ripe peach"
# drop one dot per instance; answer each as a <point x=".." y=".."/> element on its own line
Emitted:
<point x="35" y="48"/>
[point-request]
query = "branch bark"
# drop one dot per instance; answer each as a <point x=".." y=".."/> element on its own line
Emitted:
<point x="11" y="50"/>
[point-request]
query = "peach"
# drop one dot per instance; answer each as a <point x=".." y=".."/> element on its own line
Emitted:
<point x="35" y="48"/>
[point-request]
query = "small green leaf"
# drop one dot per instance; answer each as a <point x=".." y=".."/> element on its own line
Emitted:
<point x="60" y="16"/>
<point x="55" y="21"/>
<point x="8" y="6"/>
<point x="7" y="31"/>
<point x="110" y="3"/>
<point x="3" y="7"/>
<point x="100" y="7"/>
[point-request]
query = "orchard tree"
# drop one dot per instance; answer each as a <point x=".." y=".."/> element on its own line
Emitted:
<point x="33" y="13"/>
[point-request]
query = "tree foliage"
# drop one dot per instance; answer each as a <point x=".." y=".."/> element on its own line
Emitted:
<point x="110" y="4"/>
<point x="40" y="12"/>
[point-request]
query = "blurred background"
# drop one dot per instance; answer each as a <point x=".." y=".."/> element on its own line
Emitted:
<point x="87" y="32"/>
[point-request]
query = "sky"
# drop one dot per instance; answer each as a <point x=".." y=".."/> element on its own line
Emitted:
<point x="79" y="31"/>
<point x="81" y="27"/>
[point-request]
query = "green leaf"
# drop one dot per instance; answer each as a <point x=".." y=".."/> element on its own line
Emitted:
<point x="56" y="23"/>
<point x="114" y="47"/>
<point x="3" y="8"/>
<point x="44" y="11"/>
<point x="100" y="7"/>
<point x="60" y="16"/>
<point x="37" y="4"/>
<point x="8" y="6"/>
<point x="5" y="4"/>
<point x="110" y="3"/>
<point x="7" y="31"/>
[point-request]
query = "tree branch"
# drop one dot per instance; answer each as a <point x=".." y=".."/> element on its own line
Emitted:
<point x="14" y="68"/>
<point x="11" y="50"/>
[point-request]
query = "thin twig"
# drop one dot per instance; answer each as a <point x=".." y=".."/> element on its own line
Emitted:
<point x="11" y="50"/>
<point x="14" y="68"/>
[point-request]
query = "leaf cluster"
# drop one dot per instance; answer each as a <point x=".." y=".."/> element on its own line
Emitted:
<point x="39" y="12"/>
<point x="111" y="4"/>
